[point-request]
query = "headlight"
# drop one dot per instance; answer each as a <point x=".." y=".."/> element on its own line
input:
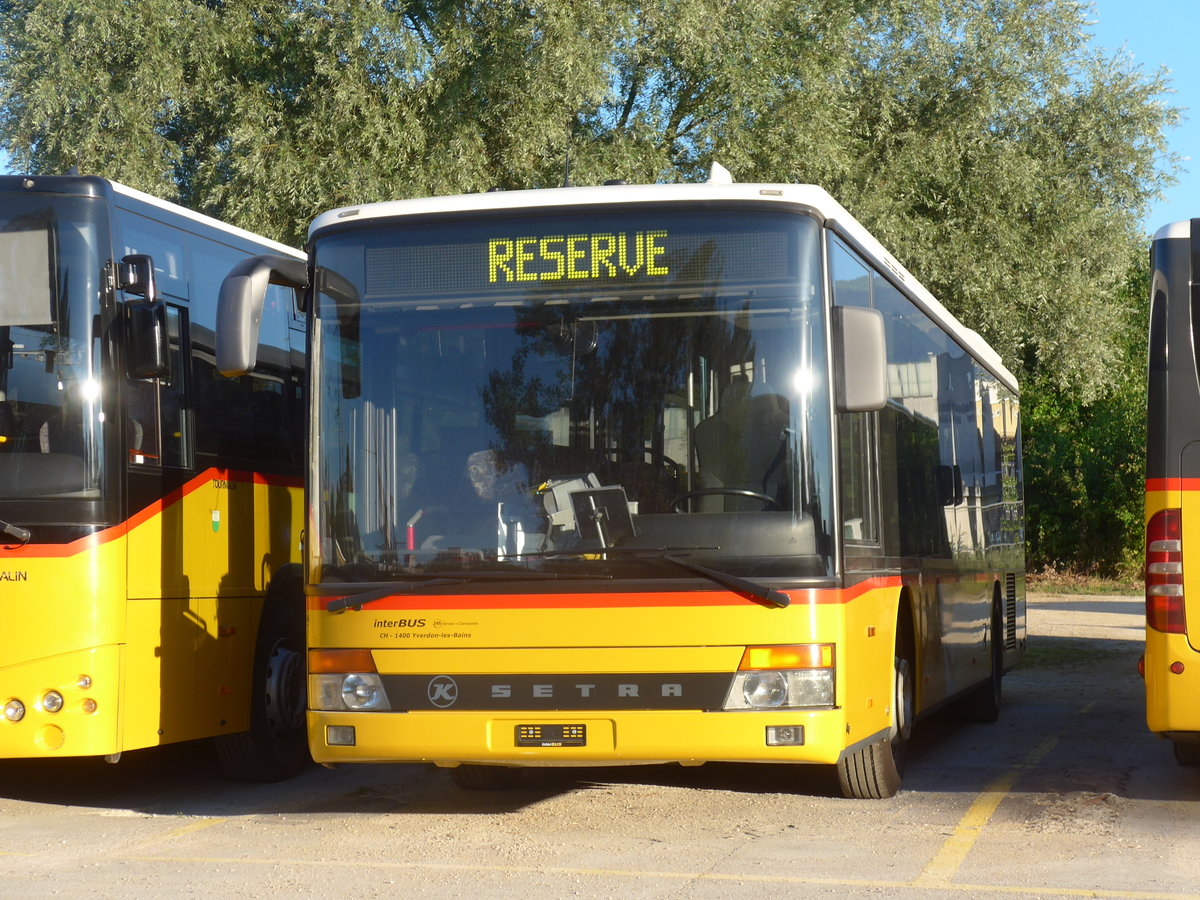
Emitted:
<point x="784" y="677"/>
<point x="52" y="701"/>
<point x="781" y="689"/>
<point x="14" y="710"/>
<point x="354" y="690"/>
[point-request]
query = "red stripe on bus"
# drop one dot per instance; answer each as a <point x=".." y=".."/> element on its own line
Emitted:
<point x="629" y="600"/>
<point x="1172" y="484"/>
<point x="115" y="532"/>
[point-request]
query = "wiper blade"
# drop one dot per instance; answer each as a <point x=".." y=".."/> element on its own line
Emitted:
<point x="356" y="601"/>
<point x="648" y="552"/>
<point x="16" y="532"/>
<point x="765" y="595"/>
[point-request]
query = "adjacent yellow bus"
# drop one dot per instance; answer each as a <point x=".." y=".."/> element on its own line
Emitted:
<point x="1171" y="664"/>
<point x="643" y="474"/>
<point x="150" y="510"/>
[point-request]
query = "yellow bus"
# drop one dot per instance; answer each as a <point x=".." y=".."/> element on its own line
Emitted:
<point x="150" y="510"/>
<point x="644" y="474"/>
<point x="1171" y="664"/>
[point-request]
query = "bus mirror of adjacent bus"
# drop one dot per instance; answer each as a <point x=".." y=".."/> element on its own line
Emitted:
<point x="860" y="350"/>
<point x="240" y="307"/>
<point x="146" y="339"/>
<point x="949" y="485"/>
<point x="145" y="319"/>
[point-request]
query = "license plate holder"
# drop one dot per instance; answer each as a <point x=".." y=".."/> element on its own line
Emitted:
<point x="553" y="735"/>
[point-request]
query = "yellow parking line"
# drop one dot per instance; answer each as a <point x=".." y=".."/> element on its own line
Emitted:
<point x="949" y="859"/>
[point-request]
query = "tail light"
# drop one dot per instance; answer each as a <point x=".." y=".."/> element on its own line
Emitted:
<point x="1164" y="573"/>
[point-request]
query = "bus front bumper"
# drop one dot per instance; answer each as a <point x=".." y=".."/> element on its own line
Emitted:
<point x="581" y="739"/>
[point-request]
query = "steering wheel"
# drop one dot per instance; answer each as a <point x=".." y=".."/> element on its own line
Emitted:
<point x="771" y="502"/>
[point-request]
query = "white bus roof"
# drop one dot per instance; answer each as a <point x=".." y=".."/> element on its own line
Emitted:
<point x="183" y="211"/>
<point x="1174" y="230"/>
<point x="809" y="198"/>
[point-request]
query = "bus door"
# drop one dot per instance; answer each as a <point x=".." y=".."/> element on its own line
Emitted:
<point x="1189" y="520"/>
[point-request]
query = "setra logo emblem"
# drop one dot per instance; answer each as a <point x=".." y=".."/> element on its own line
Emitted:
<point x="442" y="691"/>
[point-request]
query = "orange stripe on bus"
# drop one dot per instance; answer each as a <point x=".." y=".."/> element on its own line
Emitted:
<point x="633" y="599"/>
<point x="115" y="532"/>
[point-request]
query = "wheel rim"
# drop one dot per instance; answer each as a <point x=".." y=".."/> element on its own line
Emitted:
<point x="284" y="690"/>
<point x="902" y="720"/>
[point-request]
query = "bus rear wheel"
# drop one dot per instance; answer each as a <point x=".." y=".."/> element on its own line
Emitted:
<point x="486" y="778"/>
<point x="276" y="746"/>
<point x="874" y="772"/>
<point x="1187" y="754"/>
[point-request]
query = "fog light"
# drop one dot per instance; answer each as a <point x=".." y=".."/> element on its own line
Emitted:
<point x="339" y="735"/>
<point x="14" y="710"/>
<point x="785" y="735"/>
<point x="52" y="701"/>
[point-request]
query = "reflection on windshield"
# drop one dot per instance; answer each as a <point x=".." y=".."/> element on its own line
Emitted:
<point x="49" y="393"/>
<point x="577" y="429"/>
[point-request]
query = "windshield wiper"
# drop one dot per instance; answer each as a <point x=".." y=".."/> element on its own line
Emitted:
<point x="765" y="595"/>
<point x="356" y="601"/>
<point x="16" y="532"/>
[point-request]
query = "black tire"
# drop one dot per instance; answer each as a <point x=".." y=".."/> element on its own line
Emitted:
<point x="276" y="746"/>
<point x="874" y="772"/>
<point x="486" y="778"/>
<point x="1187" y="754"/>
<point x="983" y="703"/>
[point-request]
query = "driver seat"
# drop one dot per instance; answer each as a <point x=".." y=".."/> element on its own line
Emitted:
<point x="743" y="446"/>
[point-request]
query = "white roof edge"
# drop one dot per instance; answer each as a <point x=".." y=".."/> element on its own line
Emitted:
<point x="1181" y="229"/>
<point x="186" y="213"/>
<point x="810" y="197"/>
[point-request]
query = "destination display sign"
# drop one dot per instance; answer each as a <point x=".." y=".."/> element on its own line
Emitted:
<point x="584" y="253"/>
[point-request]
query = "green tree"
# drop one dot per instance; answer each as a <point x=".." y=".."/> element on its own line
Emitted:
<point x="1085" y="461"/>
<point x="1003" y="160"/>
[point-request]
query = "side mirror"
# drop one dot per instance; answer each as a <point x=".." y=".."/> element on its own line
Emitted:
<point x="860" y="351"/>
<point x="146" y="340"/>
<point x="240" y="307"/>
<point x="145" y="319"/>
<point x="137" y="276"/>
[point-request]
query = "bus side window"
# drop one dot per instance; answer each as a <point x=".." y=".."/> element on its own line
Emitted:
<point x="857" y="438"/>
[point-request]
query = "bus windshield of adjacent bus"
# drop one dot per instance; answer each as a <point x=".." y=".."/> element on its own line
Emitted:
<point x="50" y="285"/>
<point x="588" y="393"/>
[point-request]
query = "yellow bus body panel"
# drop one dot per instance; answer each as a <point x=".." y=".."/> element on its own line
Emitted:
<point x="1173" y="700"/>
<point x="160" y="614"/>
<point x="611" y="634"/>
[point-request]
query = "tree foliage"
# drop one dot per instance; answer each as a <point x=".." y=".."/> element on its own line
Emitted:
<point x="1085" y="461"/>
<point x="1000" y="157"/>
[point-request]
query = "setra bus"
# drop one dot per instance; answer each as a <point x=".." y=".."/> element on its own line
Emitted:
<point x="1171" y="663"/>
<point x="638" y="474"/>
<point x="150" y="510"/>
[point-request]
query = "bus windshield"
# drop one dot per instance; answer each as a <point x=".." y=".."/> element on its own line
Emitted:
<point x="50" y="285"/>
<point x="572" y="392"/>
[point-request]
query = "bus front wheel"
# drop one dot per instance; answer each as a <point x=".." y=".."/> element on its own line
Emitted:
<point x="874" y="772"/>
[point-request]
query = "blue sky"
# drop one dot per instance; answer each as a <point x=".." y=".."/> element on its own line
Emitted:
<point x="1156" y="33"/>
<point x="1159" y="33"/>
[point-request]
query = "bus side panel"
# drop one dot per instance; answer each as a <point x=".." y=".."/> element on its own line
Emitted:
<point x="427" y="640"/>
<point x="208" y="552"/>
<point x="1171" y="698"/>
<point x="64" y="631"/>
